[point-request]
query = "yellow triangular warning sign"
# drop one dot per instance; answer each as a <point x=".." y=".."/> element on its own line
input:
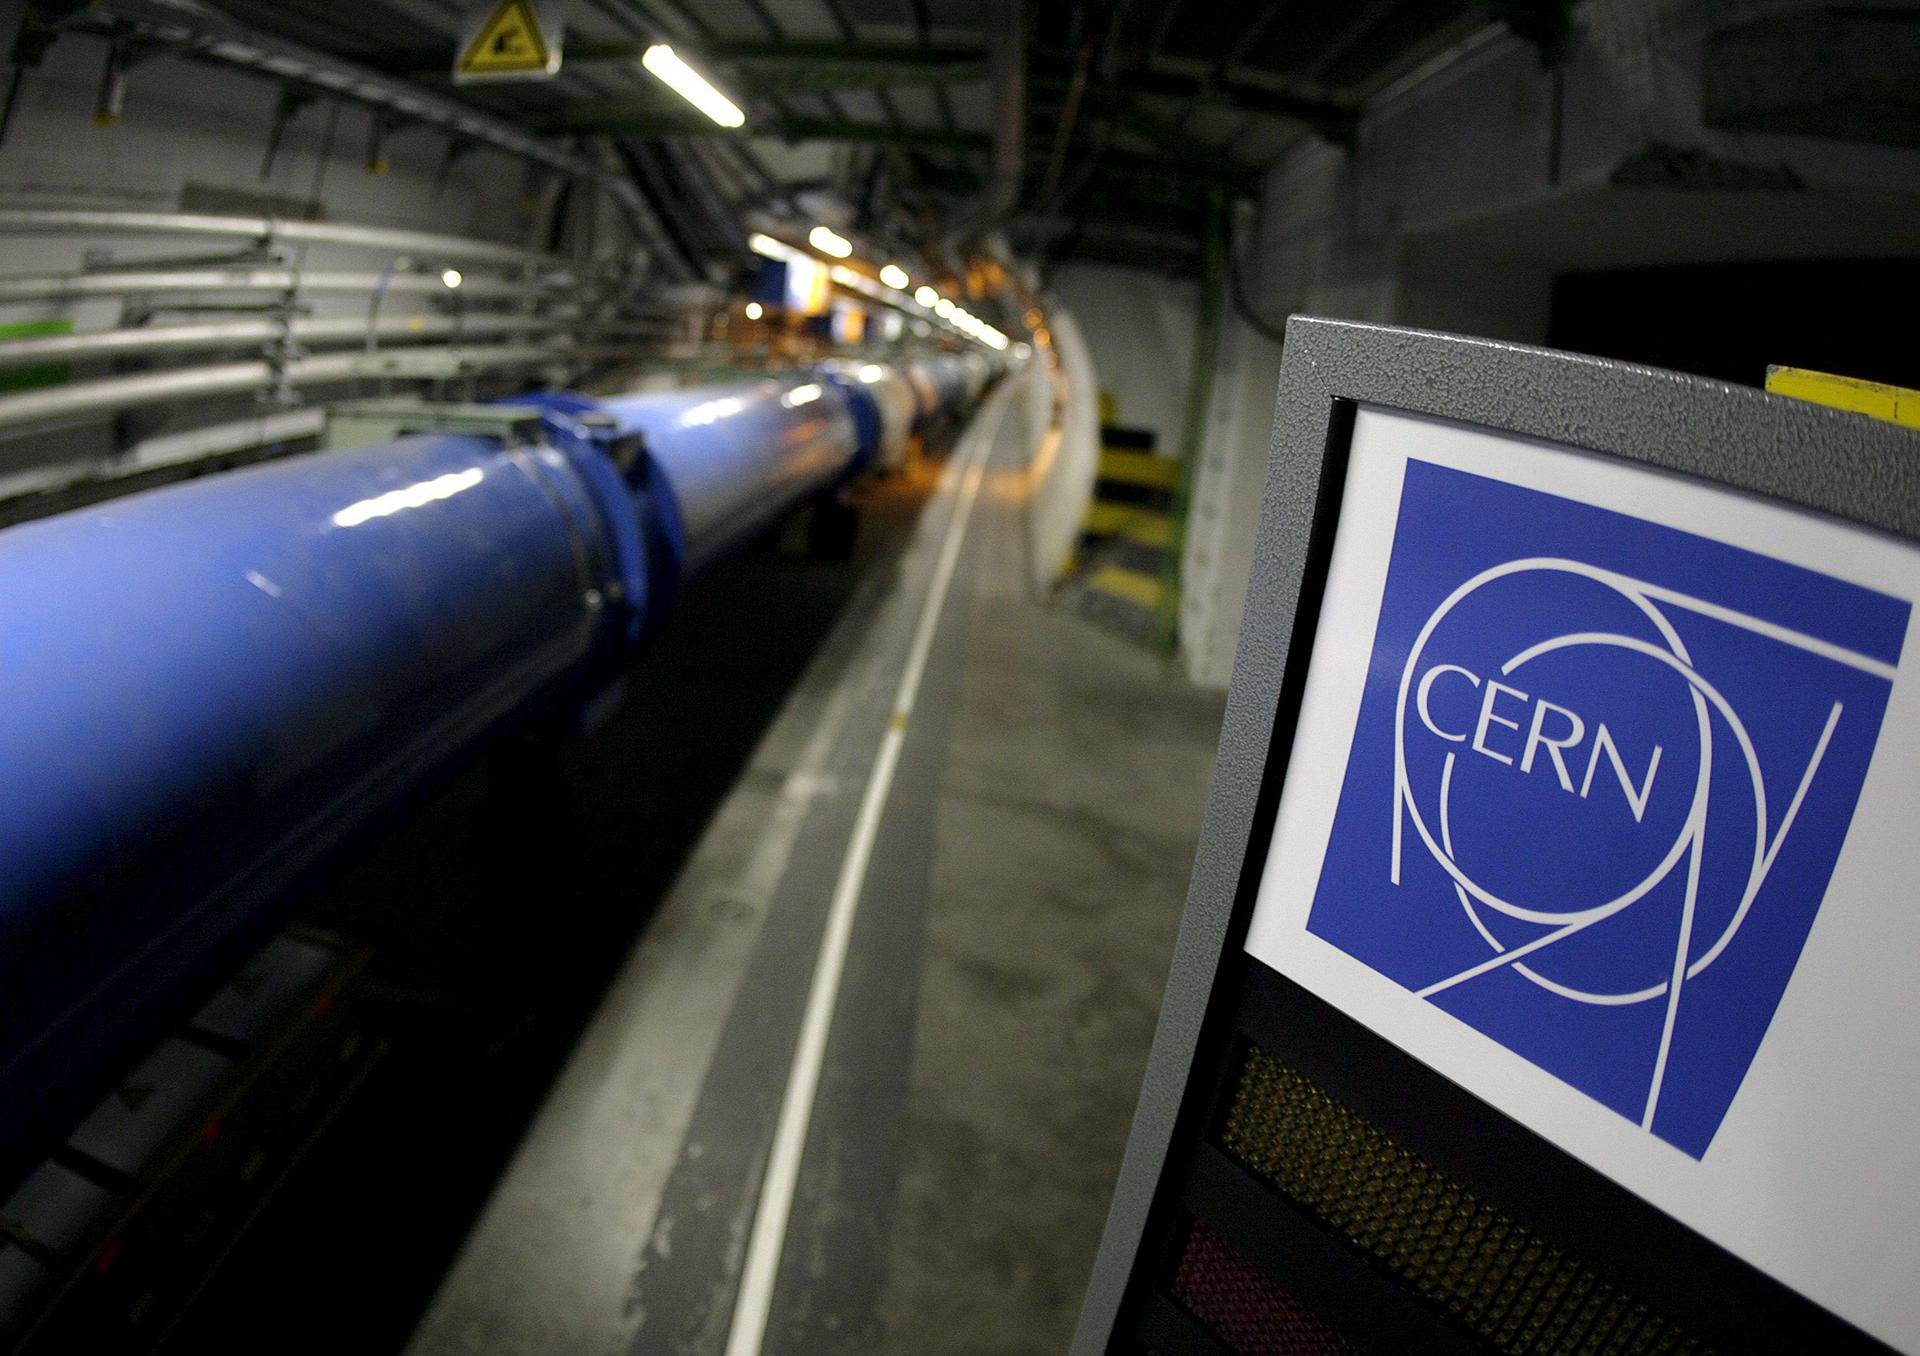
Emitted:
<point x="510" y="42"/>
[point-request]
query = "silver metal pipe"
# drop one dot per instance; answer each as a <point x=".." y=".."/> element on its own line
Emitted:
<point x="221" y="334"/>
<point x="1007" y="61"/>
<point x="38" y="221"/>
<point x="270" y="278"/>
<point x="164" y="452"/>
<point x="109" y="394"/>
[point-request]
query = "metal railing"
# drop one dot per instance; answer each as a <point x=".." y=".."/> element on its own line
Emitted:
<point x="526" y="308"/>
<point x="86" y="284"/>
<point x="269" y="231"/>
<point x="109" y="395"/>
<point x="211" y="336"/>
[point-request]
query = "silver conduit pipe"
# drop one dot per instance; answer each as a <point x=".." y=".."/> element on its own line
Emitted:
<point x="1007" y="64"/>
<point x="214" y="335"/>
<point x="271" y="278"/>
<point x="110" y="394"/>
<point x="49" y="221"/>
<point x="153" y="458"/>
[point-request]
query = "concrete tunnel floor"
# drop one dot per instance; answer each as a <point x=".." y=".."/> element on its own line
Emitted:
<point x="597" y="958"/>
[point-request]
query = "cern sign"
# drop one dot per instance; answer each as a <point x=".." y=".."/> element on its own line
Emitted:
<point x="1602" y="772"/>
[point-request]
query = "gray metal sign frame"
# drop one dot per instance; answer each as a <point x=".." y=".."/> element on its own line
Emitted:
<point x="1845" y="465"/>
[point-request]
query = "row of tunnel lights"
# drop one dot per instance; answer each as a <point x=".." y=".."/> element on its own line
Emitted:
<point x="672" y="70"/>
<point x="890" y="288"/>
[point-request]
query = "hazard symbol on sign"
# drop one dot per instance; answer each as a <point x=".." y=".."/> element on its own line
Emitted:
<point x="513" y="40"/>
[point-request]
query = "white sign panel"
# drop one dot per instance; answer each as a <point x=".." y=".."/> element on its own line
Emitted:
<point x="1602" y="804"/>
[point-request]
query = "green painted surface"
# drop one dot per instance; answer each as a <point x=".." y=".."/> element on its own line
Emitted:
<point x="46" y="374"/>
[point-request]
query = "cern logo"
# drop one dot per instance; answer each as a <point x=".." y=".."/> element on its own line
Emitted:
<point x="1602" y="773"/>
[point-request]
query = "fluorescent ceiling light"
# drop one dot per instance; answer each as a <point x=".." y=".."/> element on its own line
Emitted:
<point x="451" y="277"/>
<point x="770" y="248"/>
<point x="690" y="85"/>
<point x="925" y="295"/>
<point x="755" y="310"/>
<point x="895" y="277"/>
<point x="829" y="242"/>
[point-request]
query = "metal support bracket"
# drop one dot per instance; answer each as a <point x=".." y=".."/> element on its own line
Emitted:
<point x="355" y="422"/>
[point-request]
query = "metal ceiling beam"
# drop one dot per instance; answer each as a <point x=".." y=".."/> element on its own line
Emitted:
<point x="1169" y="138"/>
<point x="639" y="17"/>
<point x="1177" y="255"/>
<point x="1333" y="119"/>
<point x="832" y="64"/>
<point x="942" y="104"/>
<point x="1006" y="171"/>
<point x="1148" y="179"/>
<point x="1069" y="115"/>
<point x="815" y="66"/>
<point x="1547" y="24"/>
<point x="821" y="76"/>
<point x="798" y="67"/>
<point x="648" y="118"/>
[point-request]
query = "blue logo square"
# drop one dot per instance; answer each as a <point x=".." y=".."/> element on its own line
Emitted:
<point x="1602" y="772"/>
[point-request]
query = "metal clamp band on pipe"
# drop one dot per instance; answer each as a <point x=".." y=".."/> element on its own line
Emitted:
<point x="734" y="458"/>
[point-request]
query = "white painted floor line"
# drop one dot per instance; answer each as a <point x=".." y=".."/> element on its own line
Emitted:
<point x="768" y="1238"/>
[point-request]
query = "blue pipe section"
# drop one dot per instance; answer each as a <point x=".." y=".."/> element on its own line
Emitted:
<point x="868" y="424"/>
<point x="732" y="459"/>
<point x="207" y="686"/>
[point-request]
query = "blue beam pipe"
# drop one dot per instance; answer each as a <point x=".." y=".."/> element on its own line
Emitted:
<point x="731" y="459"/>
<point x="207" y="686"/>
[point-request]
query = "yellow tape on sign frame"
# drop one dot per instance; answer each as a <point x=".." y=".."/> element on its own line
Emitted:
<point x="1876" y="399"/>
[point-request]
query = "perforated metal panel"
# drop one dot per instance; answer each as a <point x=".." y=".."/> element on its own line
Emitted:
<point x="1511" y="1287"/>
<point x="1239" y="1305"/>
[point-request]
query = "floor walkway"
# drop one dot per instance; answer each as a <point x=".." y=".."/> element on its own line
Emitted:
<point x="1031" y="818"/>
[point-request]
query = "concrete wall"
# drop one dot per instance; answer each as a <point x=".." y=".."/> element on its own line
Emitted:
<point x="1466" y="197"/>
<point x="1223" y="512"/>
<point x="1138" y="329"/>
<point x="1065" y="396"/>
